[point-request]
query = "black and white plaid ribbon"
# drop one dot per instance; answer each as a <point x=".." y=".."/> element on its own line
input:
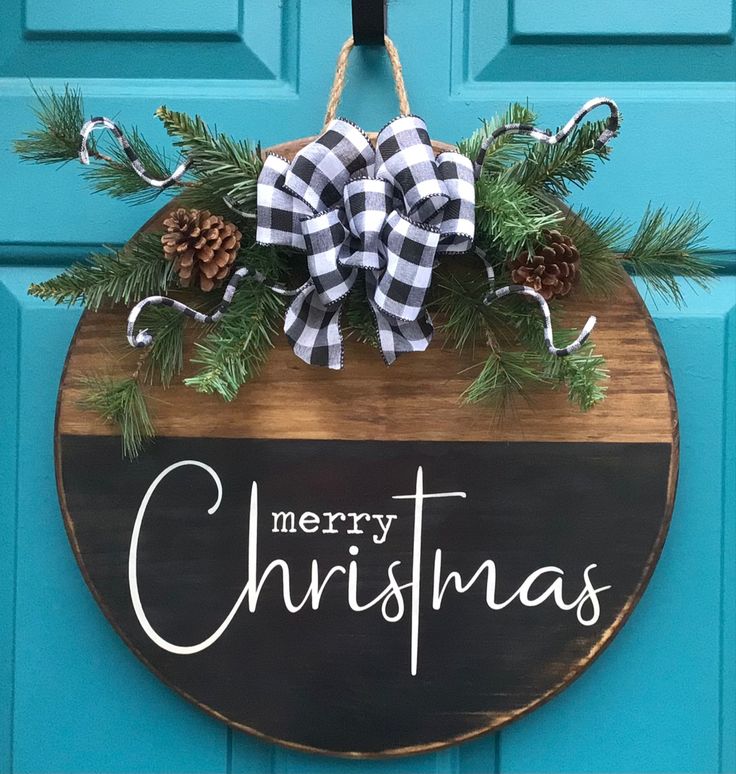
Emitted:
<point x="552" y="139"/>
<point x="136" y="164"/>
<point x="387" y="211"/>
<point x="144" y="338"/>
<point x="549" y="342"/>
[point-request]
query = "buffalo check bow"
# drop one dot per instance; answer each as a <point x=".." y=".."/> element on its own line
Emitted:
<point x="387" y="212"/>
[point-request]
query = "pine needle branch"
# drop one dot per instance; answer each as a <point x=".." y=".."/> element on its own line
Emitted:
<point x="458" y="300"/>
<point x="553" y="169"/>
<point x="508" y="148"/>
<point x="583" y="372"/>
<point x="506" y="327"/>
<point x="599" y="238"/>
<point x="664" y="248"/>
<point x="468" y="322"/>
<point x="275" y="263"/>
<point x="508" y="216"/>
<point x="223" y="166"/>
<point x="126" y="275"/>
<point x="503" y="376"/>
<point x="57" y="141"/>
<point x="236" y="349"/>
<point x="120" y="402"/>
<point x="166" y="355"/>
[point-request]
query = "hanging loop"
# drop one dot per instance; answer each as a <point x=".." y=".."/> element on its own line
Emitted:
<point x="341" y="68"/>
<point x="369" y="22"/>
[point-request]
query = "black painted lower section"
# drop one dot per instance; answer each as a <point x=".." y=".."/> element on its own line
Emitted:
<point x="339" y="680"/>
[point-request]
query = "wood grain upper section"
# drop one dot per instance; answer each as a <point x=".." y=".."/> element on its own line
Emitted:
<point x="418" y="398"/>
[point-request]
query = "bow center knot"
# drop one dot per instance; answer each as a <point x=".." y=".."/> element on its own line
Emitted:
<point x="367" y="203"/>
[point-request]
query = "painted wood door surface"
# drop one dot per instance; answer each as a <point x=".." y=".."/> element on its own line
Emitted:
<point x="663" y="696"/>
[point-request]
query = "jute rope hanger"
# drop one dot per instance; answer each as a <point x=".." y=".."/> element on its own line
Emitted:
<point x="341" y="67"/>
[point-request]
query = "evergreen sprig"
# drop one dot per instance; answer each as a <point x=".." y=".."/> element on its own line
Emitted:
<point x="115" y="276"/>
<point x="238" y="346"/>
<point x="664" y="248"/>
<point x="599" y="239"/>
<point x="508" y="217"/>
<point x="508" y="148"/>
<point x="165" y="356"/>
<point x="223" y="166"/>
<point x="458" y="301"/>
<point x="503" y="375"/>
<point x="120" y="402"/>
<point x="56" y="140"/>
<point x="583" y="372"/>
<point x="553" y="169"/>
<point x="518" y="360"/>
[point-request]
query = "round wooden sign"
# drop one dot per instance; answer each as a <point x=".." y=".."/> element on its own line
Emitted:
<point x="355" y="563"/>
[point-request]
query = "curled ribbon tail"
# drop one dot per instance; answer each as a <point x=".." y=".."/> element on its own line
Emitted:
<point x="101" y="122"/>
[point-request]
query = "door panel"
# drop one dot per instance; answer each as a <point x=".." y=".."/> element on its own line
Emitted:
<point x="72" y="697"/>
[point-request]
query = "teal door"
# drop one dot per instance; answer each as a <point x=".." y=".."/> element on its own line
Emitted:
<point x="663" y="696"/>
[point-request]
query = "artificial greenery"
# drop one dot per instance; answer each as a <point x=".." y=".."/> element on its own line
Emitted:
<point x="235" y="350"/>
<point x="112" y="277"/>
<point x="120" y="402"/>
<point x="56" y="140"/>
<point x="663" y="248"/>
<point x="224" y="167"/>
<point x="520" y="193"/>
<point x="165" y="357"/>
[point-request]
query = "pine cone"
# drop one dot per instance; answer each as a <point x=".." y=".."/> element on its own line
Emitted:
<point x="554" y="268"/>
<point x="201" y="245"/>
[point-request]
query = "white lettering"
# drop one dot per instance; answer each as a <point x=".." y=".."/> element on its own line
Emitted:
<point x="540" y="586"/>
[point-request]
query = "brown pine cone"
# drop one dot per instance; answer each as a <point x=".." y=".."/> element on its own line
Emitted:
<point x="553" y="269"/>
<point x="201" y="245"/>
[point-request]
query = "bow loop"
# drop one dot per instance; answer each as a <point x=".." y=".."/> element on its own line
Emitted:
<point x="279" y="213"/>
<point x="320" y="170"/>
<point x="404" y="157"/>
<point x="457" y="223"/>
